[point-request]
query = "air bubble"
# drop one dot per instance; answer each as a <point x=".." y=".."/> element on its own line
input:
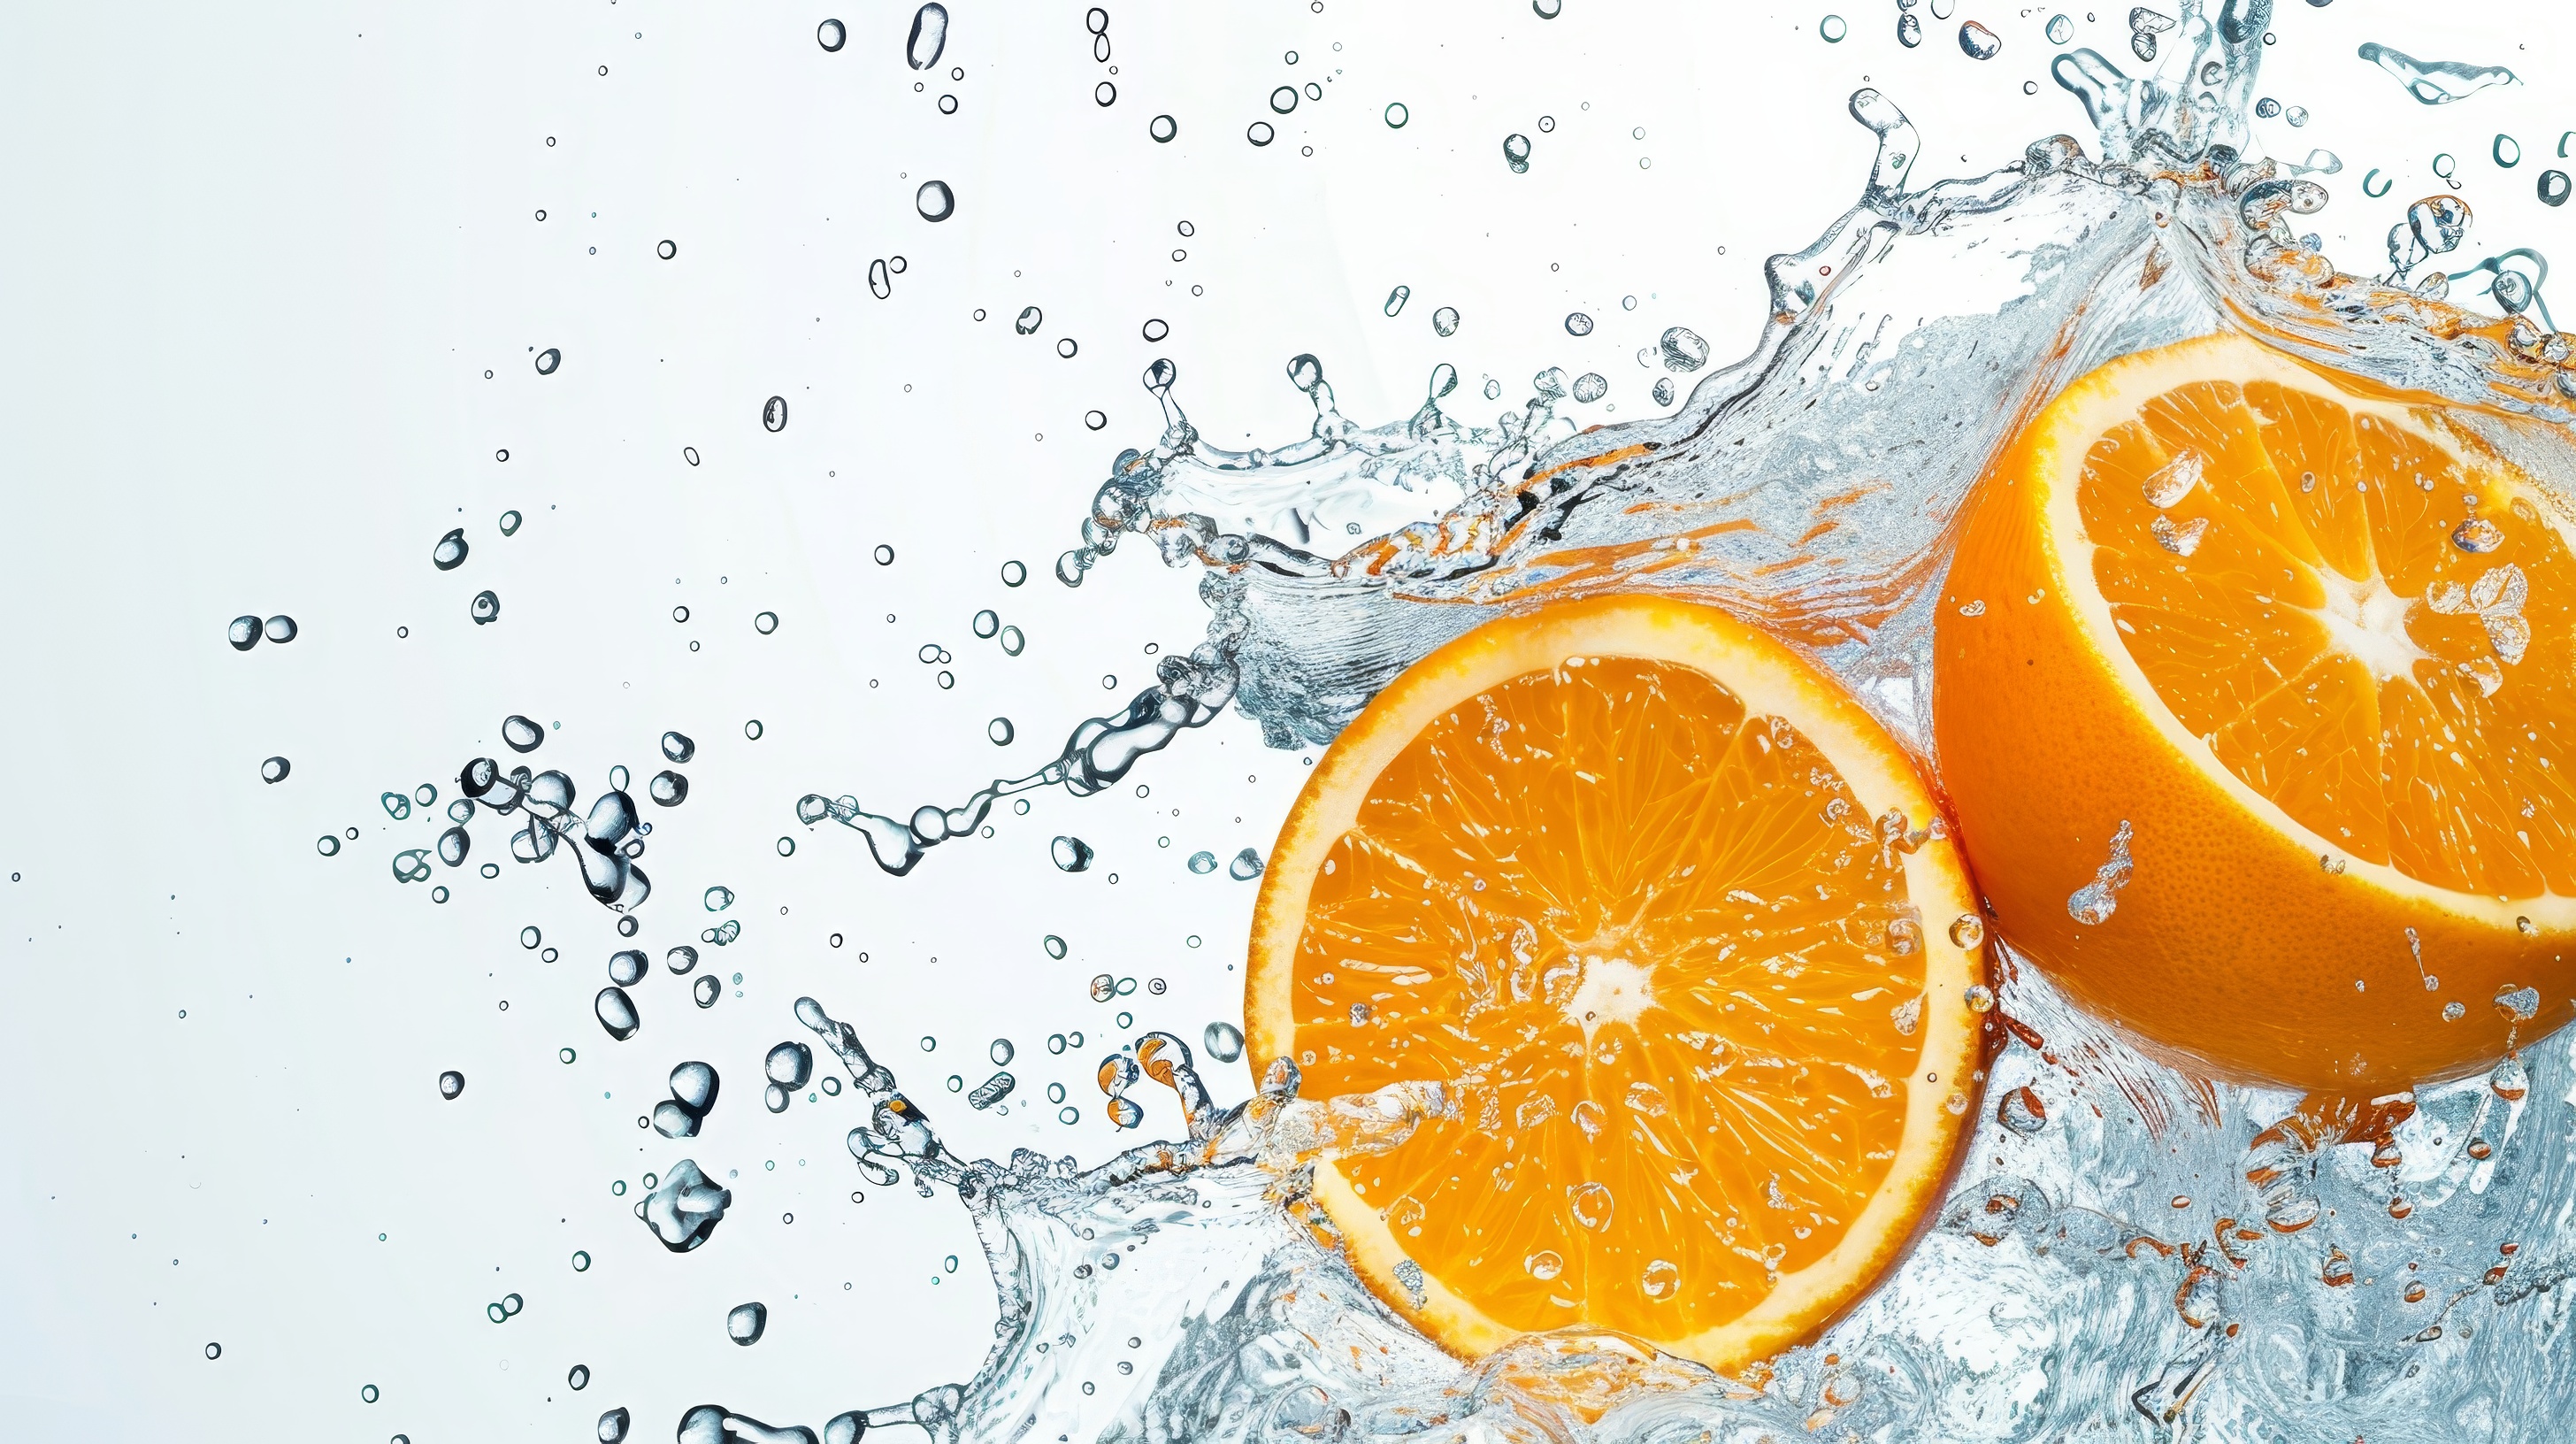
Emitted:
<point x="1833" y="28"/>
<point x="1516" y="152"/>
<point x="2060" y="30"/>
<point x="831" y="34"/>
<point x="1397" y="115"/>
<point x="1578" y="324"/>
<point x="485" y="608"/>
<point x="935" y="201"/>
<point x="1162" y="128"/>
<point x="745" y="1323"/>
<point x="450" y="1084"/>
<point x="275" y="769"/>
<point x="280" y="630"/>
<point x="450" y="552"/>
<point x="1260" y="133"/>
<point x="548" y="360"/>
<point x="1245" y="867"/>
<point x="1071" y="854"/>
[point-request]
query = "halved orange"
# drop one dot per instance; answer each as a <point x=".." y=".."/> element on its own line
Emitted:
<point x="2256" y="699"/>
<point x="1678" y="929"/>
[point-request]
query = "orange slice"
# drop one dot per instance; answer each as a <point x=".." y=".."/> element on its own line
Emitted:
<point x="1677" y="928"/>
<point x="2256" y="698"/>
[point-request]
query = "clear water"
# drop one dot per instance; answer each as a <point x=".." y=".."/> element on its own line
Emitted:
<point x="2126" y="1248"/>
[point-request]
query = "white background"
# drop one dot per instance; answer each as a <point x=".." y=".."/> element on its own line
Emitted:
<point x="255" y="265"/>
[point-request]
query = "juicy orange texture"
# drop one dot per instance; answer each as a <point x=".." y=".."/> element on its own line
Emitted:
<point x="2317" y="653"/>
<point x="1670" y="918"/>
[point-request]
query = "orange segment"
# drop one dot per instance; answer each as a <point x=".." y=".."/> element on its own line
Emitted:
<point x="2319" y="651"/>
<point x="1670" y="920"/>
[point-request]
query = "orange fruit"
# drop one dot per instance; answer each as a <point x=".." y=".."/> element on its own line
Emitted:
<point x="2256" y="700"/>
<point x="1677" y="929"/>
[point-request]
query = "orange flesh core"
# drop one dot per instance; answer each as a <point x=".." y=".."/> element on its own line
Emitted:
<point x="2365" y="632"/>
<point x="1670" y="964"/>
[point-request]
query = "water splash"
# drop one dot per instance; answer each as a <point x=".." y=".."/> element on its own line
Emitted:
<point x="2360" y="1267"/>
<point x="2103" y="1253"/>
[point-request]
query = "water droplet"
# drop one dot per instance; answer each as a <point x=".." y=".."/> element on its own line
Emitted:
<point x="1260" y="133"/>
<point x="999" y="729"/>
<point x="450" y="1084"/>
<point x="667" y="788"/>
<point x="548" y="360"/>
<point x="929" y="37"/>
<point x="454" y="844"/>
<point x="509" y="522"/>
<point x="1396" y="298"/>
<point x="751" y="729"/>
<point x="935" y="201"/>
<point x="280" y="629"/>
<point x="1909" y="30"/>
<point x="1055" y="947"/>
<point x="1662" y="1279"/>
<point x="485" y="608"/>
<point x="1663" y="391"/>
<point x="765" y="623"/>
<point x="1283" y="100"/>
<point x="1967" y="930"/>
<point x="520" y="734"/>
<point x="369" y="1394"/>
<point x="2510" y="1079"/>
<point x="2477" y="535"/>
<point x="2554" y="187"/>
<point x="450" y="552"/>
<point x="327" y="845"/>
<point x="1029" y="320"/>
<point x="719" y="898"/>
<point x="2060" y="30"/>
<point x="275" y="769"/>
<point x="1245" y="867"/>
<point x="2022" y="1112"/>
<point x="1590" y="1205"/>
<point x="2435" y="82"/>
<point x="1591" y="386"/>
<point x="1516" y="152"/>
<point x="831" y="34"/>
<point x="579" y="1378"/>
<point x="1683" y="350"/>
<point x="1979" y="998"/>
<point x="243" y="633"/>
<point x="745" y="1322"/>
<point x="1071" y="854"/>
<point x="1202" y="862"/>
<point x="580" y="1262"/>
<point x="666" y="250"/>
<point x="1543" y="1265"/>
<point x="1162" y="128"/>
<point x="683" y="1208"/>
<point x="773" y="413"/>
<point x="616" y="1013"/>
